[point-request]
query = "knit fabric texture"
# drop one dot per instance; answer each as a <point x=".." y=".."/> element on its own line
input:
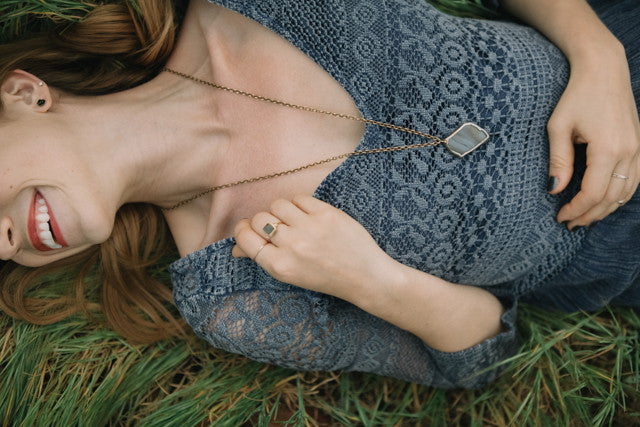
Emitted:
<point x="484" y="220"/>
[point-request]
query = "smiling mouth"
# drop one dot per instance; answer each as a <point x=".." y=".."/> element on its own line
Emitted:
<point x="43" y="229"/>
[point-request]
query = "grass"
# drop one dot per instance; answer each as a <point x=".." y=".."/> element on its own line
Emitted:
<point x="576" y="369"/>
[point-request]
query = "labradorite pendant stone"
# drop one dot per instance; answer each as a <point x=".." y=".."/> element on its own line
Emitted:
<point x="465" y="139"/>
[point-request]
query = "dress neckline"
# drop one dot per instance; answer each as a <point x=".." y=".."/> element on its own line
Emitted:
<point x="338" y="75"/>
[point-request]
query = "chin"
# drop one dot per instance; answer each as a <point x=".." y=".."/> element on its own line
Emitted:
<point x="38" y="260"/>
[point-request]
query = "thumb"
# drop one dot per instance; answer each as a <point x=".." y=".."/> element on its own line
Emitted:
<point x="561" y="156"/>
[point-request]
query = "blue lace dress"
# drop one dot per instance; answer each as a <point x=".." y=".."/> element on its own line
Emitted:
<point x="485" y="220"/>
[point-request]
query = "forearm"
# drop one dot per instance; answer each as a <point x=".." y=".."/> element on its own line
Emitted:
<point x="446" y="316"/>
<point x="570" y="24"/>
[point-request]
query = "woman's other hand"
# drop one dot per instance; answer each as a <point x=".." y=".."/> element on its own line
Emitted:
<point x="597" y="109"/>
<point x="314" y="246"/>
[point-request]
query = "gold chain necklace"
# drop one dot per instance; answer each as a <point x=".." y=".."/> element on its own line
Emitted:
<point x="461" y="142"/>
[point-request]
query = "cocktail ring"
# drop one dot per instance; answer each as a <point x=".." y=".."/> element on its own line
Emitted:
<point x="270" y="229"/>
<point x="617" y="175"/>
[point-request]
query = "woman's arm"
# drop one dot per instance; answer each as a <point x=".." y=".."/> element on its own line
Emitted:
<point x="272" y="322"/>
<point x="321" y="248"/>
<point x="597" y="108"/>
<point x="446" y="316"/>
<point x="569" y="24"/>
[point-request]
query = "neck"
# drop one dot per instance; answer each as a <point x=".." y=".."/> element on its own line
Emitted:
<point x="163" y="141"/>
<point x="157" y="143"/>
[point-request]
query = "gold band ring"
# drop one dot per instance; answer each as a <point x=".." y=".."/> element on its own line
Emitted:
<point x="270" y="229"/>
<point x="617" y="175"/>
<point x="259" y="250"/>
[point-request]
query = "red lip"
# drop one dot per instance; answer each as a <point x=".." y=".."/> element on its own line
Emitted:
<point x="33" y="231"/>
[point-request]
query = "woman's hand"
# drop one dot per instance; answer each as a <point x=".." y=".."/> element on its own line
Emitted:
<point x="597" y="109"/>
<point x="315" y="246"/>
<point x="318" y="247"/>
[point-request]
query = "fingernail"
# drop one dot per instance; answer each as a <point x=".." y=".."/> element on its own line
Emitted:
<point x="552" y="183"/>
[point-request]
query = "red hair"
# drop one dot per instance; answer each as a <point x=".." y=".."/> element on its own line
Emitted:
<point x="114" y="48"/>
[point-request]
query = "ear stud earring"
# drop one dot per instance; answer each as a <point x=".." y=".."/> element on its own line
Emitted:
<point x="40" y="83"/>
<point x="41" y="102"/>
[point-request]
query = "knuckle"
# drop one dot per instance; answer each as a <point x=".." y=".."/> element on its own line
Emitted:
<point x="239" y="227"/>
<point x="621" y="152"/>
<point x="280" y="267"/>
<point x="298" y="198"/>
<point x="610" y="199"/>
<point x="591" y="198"/>
<point x="554" y="125"/>
<point x="276" y="204"/>
<point x="300" y="247"/>
<point x="608" y="151"/>
<point x="259" y="220"/>
<point x="557" y="162"/>
<point x="630" y="150"/>
<point x="243" y="234"/>
<point x="327" y="216"/>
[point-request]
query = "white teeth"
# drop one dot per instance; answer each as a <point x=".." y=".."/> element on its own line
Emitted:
<point x="51" y="244"/>
<point x="45" y="235"/>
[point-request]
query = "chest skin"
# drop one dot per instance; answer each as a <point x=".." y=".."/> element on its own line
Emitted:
<point x="265" y="138"/>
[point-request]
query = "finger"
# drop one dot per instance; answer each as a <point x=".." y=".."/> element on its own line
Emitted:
<point x="627" y="178"/>
<point x="243" y="223"/>
<point x="594" y="215"/>
<point x="617" y="192"/>
<point x="265" y="252"/>
<point x="561" y="156"/>
<point x="593" y="189"/>
<point x="268" y="226"/>
<point x="288" y="213"/>
<point x="248" y="242"/>
<point x="237" y="252"/>
<point x="309" y="204"/>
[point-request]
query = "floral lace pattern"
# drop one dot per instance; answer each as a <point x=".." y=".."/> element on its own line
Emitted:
<point x="485" y="220"/>
<point x="276" y="323"/>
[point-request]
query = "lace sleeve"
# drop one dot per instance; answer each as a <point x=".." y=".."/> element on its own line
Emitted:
<point x="303" y="330"/>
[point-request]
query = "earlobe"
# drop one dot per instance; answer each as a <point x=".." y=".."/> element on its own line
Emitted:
<point x="24" y="91"/>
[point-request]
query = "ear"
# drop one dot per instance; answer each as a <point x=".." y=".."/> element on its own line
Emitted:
<point x="24" y="91"/>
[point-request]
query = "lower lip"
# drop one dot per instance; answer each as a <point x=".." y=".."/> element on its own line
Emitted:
<point x="33" y="231"/>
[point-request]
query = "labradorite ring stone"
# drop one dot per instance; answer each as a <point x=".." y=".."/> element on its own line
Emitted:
<point x="465" y="139"/>
<point x="270" y="229"/>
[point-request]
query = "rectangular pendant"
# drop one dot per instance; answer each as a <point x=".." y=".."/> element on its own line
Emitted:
<point x="465" y="139"/>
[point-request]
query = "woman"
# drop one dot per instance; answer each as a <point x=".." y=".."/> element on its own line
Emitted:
<point x="407" y="263"/>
